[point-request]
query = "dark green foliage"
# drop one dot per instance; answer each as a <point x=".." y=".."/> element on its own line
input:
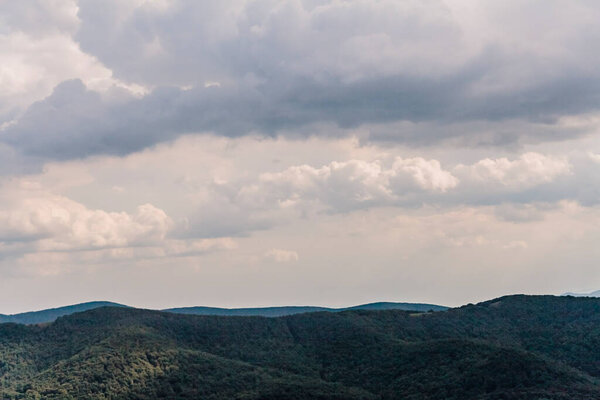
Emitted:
<point x="516" y="347"/>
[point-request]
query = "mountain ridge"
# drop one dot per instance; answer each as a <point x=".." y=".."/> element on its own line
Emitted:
<point x="279" y="311"/>
<point x="512" y="347"/>
<point x="595" y="293"/>
<point x="51" y="314"/>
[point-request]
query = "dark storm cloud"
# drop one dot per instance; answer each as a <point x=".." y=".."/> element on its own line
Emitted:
<point x="74" y="122"/>
<point x="284" y="67"/>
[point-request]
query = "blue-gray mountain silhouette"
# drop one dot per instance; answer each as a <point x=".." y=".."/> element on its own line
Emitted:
<point x="49" y="315"/>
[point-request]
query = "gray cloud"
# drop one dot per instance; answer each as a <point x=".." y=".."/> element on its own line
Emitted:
<point x="522" y="189"/>
<point x="284" y="67"/>
<point x="74" y="122"/>
<point x="38" y="17"/>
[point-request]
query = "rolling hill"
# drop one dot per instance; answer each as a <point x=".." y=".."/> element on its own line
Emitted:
<point x="44" y="316"/>
<point x="291" y="310"/>
<point x="514" y="347"/>
<point x="49" y="315"/>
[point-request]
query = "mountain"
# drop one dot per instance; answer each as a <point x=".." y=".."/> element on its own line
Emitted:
<point x="44" y="316"/>
<point x="592" y="294"/>
<point x="514" y="347"/>
<point x="421" y="307"/>
<point x="291" y="310"/>
<point x="49" y="315"/>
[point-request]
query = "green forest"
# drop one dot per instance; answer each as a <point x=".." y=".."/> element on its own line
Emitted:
<point x="514" y="347"/>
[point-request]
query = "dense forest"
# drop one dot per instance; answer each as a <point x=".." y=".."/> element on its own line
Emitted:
<point x="515" y="347"/>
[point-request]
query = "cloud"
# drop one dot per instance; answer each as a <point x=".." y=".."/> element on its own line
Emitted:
<point x="427" y="174"/>
<point x="37" y="225"/>
<point x="214" y="187"/>
<point x="281" y="256"/>
<point x="137" y="135"/>
<point x="194" y="42"/>
<point x="594" y="157"/>
<point x="39" y="52"/>
<point x="522" y="213"/>
<point x="32" y="67"/>
<point x="522" y="188"/>
<point x="262" y="201"/>
<point x="39" y="17"/>
<point x="529" y="169"/>
<point x="405" y="70"/>
<point x="77" y="122"/>
<point x="55" y="223"/>
<point x="350" y="184"/>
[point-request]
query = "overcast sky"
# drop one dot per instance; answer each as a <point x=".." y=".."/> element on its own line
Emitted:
<point x="166" y="153"/>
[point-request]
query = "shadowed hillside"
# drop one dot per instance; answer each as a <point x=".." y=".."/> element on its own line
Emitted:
<point x="515" y="347"/>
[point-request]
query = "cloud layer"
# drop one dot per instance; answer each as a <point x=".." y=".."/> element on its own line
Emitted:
<point x="292" y="67"/>
<point x="304" y="151"/>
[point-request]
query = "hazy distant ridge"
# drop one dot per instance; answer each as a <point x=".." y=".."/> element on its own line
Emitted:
<point x="49" y="315"/>
<point x="291" y="310"/>
<point x="43" y="316"/>
<point x="592" y="294"/>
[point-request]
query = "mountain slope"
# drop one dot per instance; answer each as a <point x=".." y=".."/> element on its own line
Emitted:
<point x="292" y="310"/>
<point x="516" y="347"/>
<point x="44" y="316"/>
<point x="49" y="315"/>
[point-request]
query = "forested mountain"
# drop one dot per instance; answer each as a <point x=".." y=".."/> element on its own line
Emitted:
<point x="49" y="315"/>
<point x="39" y="317"/>
<point x="515" y="347"/>
<point x="291" y="310"/>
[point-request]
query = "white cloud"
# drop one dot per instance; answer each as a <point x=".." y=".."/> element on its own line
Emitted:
<point x="51" y="223"/>
<point x="32" y="66"/>
<point x="351" y="184"/>
<point x="427" y="174"/>
<point x="38" y="222"/>
<point x="38" y="52"/>
<point x="404" y="208"/>
<point x="529" y="169"/>
<point x="594" y="157"/>
<point x="281" y="256"/>
<point x="215" y="187"/>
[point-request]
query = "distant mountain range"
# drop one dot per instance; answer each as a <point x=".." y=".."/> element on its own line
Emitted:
<point x="50" y="315"/>
<point x="291" y="310"/>
<point x="511" y="348"/>
<point x="592" y="294"/>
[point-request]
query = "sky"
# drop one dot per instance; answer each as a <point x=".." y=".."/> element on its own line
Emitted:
<point x="164" y="153"/>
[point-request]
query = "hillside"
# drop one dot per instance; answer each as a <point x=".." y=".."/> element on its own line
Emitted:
<point x="292" y="310"/>
<point x="44" y="316"/>
<point x="515" y="347"/>
<point x="49" y="315"/>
